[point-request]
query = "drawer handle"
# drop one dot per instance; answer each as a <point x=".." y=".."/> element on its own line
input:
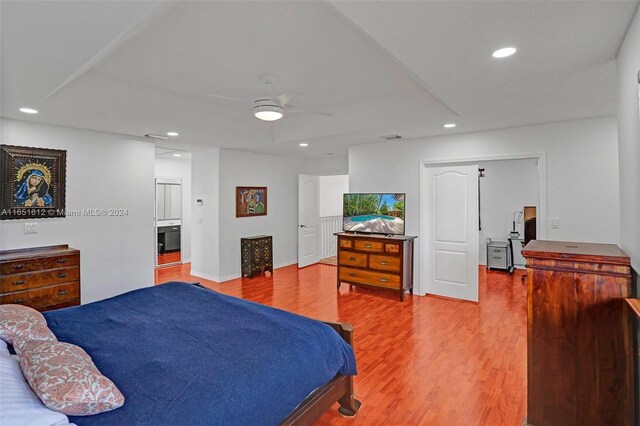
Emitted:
<point x="62" y="275"/>
<point x="18" y="301"/>
<point x="20" y="282"/>
<point x="384" y="280"/>
<point x="367" y="246"/>
<point x="61" y="260"/>
<point x="62" y="292"/>
<point x="352" y="258"/>
<point x="352" y="274"/>
<point x="384" y="262"/>
<point x="18" y="267"/>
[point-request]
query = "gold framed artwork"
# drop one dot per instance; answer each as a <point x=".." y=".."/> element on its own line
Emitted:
<point x="32" y="182"/>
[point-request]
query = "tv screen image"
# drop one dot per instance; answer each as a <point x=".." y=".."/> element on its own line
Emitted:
<point x="373" y="213"/>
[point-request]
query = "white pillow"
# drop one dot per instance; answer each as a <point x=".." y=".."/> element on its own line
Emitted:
<point x="20" y="406"/>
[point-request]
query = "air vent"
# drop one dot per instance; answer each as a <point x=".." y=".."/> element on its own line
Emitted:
<point x="392" y="137"/>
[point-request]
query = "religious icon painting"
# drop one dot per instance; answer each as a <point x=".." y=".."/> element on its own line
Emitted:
<point x="32" y="182"/>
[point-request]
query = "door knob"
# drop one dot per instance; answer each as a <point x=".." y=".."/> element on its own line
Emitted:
<point x="303" y="226"/>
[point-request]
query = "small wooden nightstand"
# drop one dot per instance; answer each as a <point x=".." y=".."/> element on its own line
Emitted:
<point x="257" y="255"/>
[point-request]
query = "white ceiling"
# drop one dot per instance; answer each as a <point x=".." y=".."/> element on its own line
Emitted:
<point x="381" y="67"/>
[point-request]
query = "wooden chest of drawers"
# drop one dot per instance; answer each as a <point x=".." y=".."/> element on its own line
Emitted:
<point x="43" y="278"/>
<point x="376" y="262"/>
<point x="256" y="255"/>
<point x="580" y="367"/>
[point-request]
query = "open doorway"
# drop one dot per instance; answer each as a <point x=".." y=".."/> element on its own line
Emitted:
<point x="452" y="245"/>
<point x="173" y="208"/>
<point x="509" y="196"/>
<point x="324" y="209"/>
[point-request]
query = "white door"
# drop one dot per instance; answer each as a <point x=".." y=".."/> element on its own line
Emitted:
<point x="450" y="223"/>
<point x="308" y="220"/>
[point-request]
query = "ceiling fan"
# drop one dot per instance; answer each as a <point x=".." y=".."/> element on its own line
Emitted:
<point x="269" y="107"/>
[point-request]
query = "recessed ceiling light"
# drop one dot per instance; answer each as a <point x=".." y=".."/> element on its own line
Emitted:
<point x="177" y="155"/>
<point x="29" y="110"/>
<point x="172" y="133"/>
<point x="304" y="144"/>
<point x="504" y="52"/>
<point x="450" y="125"/>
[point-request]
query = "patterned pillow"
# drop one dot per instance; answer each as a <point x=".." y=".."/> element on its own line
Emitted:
<point x="37" y="332"/>
<point x="18" y="319"/>
<point x="66" y="380"/>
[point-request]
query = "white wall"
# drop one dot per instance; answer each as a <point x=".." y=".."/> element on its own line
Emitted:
<point x="329" y="165"/>
<point x="205" y="235"/>
<point x="582" y="172"/>
<point x="104" y="171"/>
<point x="628" y="66"/>
<point x="216" y="241"/>
<point x="331" y="190"/>
<point x="180" y="168"/>
<point x="508" y="186"/>
<point x="280" y="176"/>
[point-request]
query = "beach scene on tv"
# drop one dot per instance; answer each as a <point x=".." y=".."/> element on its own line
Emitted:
<point x="374" y="213"/>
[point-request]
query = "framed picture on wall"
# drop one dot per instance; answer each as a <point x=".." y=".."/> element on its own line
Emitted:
<point x="251" y="201"/>
<point x="32" y="182"/>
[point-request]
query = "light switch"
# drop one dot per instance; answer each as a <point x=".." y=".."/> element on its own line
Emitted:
<point x="31" y="228"/>
<point x="555" y="222"/>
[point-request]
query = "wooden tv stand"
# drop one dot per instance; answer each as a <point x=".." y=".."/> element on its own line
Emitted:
<point x="376" y="261"/>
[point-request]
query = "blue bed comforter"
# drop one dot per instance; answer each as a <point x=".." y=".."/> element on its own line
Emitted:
<point x="185" y="355"/>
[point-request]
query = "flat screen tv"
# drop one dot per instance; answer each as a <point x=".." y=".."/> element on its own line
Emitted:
<point x="373" y="213"/>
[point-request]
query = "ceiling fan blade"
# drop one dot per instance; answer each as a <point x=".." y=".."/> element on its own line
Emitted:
<point x="294" y="109"/>
<point x="244" y="111"/>
<point x="285" y="98"/>
<point x="228" y="98"/>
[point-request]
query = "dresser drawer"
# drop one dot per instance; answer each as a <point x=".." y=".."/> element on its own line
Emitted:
<point x="45" y="296"/>
<point x="345" y="243"/>
<point x="392" y="248"/>
<point x="19" y="282"/>
<point x="379" y="279"/>
<point x="386" y="263"/>
<point x="39" y="264"/>
<point x="372" y="246"/>
<point x="353" y="259"/>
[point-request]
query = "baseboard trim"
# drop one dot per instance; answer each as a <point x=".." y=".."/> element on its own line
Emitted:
<point x="205" y="276"/>
<point x="237" y="275"/>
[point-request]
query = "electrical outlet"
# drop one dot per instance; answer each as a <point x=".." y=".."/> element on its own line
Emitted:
<point x="555" y="222"/>
<point x="31" y="228"/>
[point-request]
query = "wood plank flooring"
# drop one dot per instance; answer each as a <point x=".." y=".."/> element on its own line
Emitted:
<point x="424" y="361"/>
<point x="172" y="257"/>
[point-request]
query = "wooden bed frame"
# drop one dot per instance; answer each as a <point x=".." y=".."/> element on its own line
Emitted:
<point x="340" y="389"/>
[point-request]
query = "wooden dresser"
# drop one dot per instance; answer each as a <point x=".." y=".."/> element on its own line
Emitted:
<point x="43" y="278"/>
<point x="375" y="261"/>
<point x="580" y="366"/>
<point x="256" y="255"/>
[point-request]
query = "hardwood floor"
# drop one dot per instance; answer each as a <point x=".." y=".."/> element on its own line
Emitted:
<point x="172" y="257"/>
<point x="424" y="361"/>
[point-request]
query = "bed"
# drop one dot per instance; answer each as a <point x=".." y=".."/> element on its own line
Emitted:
<point x="184" y="354"/>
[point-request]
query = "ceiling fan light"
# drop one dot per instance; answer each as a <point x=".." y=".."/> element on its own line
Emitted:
<point x="268" y="110"/>
<point x="268" y="115"/>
